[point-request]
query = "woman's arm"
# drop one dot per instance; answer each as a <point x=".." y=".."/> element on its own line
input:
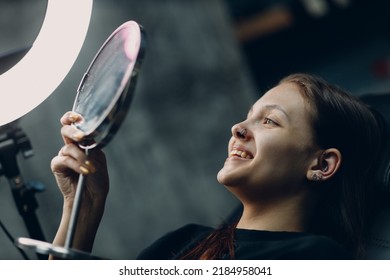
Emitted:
<point x="70" y="162"/>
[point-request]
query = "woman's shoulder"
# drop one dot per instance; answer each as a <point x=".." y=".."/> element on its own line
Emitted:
<point x="174" y="242"/>
<point x="319" y="247"/>
<point x="288" y="245"/>
<point x="187" y="233"/>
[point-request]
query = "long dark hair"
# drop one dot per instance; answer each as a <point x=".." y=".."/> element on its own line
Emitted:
<point x="342" y="121"/>
<point x="218" y="245"/>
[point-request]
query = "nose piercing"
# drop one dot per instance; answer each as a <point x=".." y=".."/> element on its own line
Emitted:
<point x="243" y="132"/>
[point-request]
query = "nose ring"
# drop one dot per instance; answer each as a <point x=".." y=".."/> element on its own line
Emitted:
<point x="243" y="132"/>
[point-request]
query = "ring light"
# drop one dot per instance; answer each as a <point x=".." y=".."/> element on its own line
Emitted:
<point x="43" y="68"/>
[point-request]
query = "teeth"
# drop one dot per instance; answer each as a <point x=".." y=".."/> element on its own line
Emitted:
<point x="240" y="154"/>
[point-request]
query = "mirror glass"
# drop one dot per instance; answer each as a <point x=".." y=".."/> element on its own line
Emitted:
<point x="106" y="89"/>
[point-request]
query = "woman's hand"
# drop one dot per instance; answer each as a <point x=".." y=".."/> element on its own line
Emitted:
<point x="72" y="161"/>
<point x="67" y="166"/>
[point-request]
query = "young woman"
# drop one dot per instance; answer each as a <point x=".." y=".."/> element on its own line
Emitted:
<point x="301" y="164"/>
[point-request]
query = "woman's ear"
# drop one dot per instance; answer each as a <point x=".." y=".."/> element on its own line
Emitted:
<point x="325" y="165"/>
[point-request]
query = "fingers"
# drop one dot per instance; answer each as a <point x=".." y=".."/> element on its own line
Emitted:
<point x="69" y="132"/>
<point x="71" y="157"/>
<point x="70" y="118"/>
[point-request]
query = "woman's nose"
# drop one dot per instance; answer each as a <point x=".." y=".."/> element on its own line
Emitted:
<point x="240" y="132"/>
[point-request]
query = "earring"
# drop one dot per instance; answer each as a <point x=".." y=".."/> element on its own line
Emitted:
<point x="325" y="169"/>
<point x="316" y="177"/>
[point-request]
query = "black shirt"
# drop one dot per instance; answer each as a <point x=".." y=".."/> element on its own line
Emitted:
<point x="249" y="245"/>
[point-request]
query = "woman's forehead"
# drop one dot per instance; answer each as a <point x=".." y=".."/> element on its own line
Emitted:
<point x="285" y="97"/>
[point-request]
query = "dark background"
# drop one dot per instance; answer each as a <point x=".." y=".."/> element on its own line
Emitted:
<point x="206" y="62"/>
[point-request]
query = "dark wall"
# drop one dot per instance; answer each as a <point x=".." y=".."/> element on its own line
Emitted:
<point x="348" y="44"/>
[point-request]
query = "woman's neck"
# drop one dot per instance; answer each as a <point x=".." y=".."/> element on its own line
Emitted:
<point x="281" y="216"/>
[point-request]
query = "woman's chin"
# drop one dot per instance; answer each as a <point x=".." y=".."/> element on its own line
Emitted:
<point x="226" y="177"/>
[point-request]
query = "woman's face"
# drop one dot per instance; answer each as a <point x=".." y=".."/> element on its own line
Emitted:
<point x="270" y="152"/>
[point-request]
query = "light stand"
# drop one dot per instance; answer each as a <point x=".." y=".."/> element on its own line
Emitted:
<point x="12" y="141"/>
<point x="66" y="252"/>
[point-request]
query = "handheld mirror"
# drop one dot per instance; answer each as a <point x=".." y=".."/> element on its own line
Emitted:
<point x="103" y="99"/>
<point x="106" y="89"/>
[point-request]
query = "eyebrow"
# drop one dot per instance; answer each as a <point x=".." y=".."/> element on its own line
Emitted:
<point x="273" y="107"/>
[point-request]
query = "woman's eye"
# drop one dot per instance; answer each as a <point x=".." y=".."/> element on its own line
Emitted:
<point x="269" y="121"/>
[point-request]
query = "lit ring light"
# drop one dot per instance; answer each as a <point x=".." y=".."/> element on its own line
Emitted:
<point x="49" y="60"/>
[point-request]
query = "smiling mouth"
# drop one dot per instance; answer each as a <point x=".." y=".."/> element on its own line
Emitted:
<point x="240" y="154"/>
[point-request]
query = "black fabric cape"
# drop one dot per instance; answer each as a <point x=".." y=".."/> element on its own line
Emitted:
<point x="249" y="245"/>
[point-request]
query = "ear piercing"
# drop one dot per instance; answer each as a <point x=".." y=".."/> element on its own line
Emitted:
<point x="316" y="177"/>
